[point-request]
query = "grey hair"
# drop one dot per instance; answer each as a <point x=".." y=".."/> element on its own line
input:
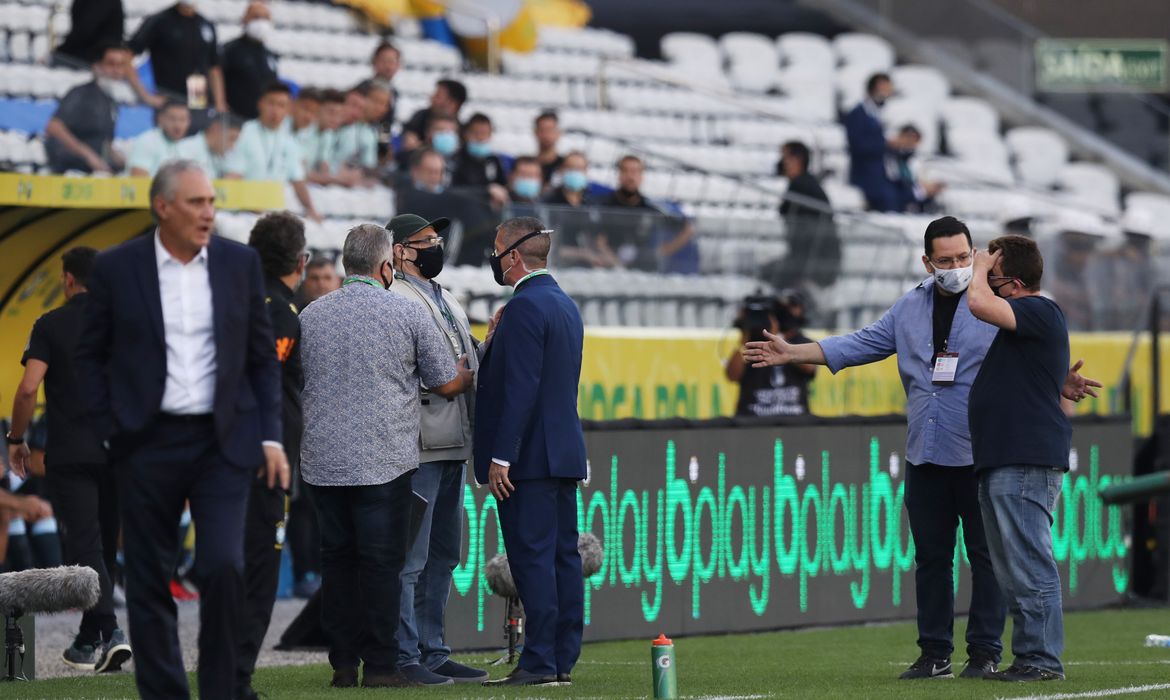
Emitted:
<point x="164" y="182"/>
<point x="366" y="247"/>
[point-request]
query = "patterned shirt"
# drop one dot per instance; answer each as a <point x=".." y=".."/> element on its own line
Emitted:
<point x="364" y="352"/>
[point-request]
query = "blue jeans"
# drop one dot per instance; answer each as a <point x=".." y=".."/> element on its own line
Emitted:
<point x="426" y="576"/>
<point x="1017" y="503"/>
<point x="363" y="544"/>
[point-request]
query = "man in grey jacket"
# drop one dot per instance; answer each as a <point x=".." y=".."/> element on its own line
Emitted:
<point x="444" y="448"/>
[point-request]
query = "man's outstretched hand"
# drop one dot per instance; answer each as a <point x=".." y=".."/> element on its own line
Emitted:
<point x="1077" y="387"/>
<point x="766" y="353"/>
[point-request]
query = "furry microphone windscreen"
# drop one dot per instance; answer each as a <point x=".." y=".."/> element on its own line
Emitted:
<point x="592" y="556"/>
<point x="499" y="574"/>
<point x="49" y="590"/>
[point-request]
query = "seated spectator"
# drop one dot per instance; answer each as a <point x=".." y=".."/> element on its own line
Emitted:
<point x="547" y="130"/>
<point x="380" y="100"/>
<point x="524" y="181"/>
<point x="212" y="147"/>
<point x="365" y="105"/>
<point x="386" y="61"/>
<point x="331" y="164"/>
<point x="446" y="101"/>
<point x="442" y="137"/>
<point x="248" y="64"/>
<point x="266" y="151"/>
<point x="581" y="243"/>
<point x="908" y="194"/>
<point x="95" y="24"/>
<point x="428" y="171"/>
<point x="184" y="57"/>
<point x="868" y="145"/>
<point x="305" y="111"/>
<point x="573" y="175"/>
<point x="664" y="241"/>
<point x="814" y="249"/>
<point x="475" y="164"/>
<point x="153" y="148"/>
<point x="80" y="134"/>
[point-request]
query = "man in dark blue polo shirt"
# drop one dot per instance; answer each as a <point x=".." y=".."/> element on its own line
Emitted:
<point x="1021" y="438"/>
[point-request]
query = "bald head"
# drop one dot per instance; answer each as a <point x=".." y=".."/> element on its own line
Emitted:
<point x="534" y="251"/>
<point x="257" y="10"/>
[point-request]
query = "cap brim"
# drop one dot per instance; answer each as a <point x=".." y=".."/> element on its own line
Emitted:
<point x="440" y="224"/>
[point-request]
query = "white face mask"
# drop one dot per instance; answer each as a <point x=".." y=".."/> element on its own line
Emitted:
<point x="259" y="29"/>
<point x="108" y="85"/>
<point x="956" y="280"/>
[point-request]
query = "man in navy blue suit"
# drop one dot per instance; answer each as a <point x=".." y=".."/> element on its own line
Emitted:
<point x="178" y="367"/>
<point x="868" y="146"/>
<point x="530" y="451"/>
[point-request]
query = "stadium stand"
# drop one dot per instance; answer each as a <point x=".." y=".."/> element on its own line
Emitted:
<point x="708" y="121"/>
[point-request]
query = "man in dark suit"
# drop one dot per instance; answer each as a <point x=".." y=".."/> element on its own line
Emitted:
<point x="177" y="364"/>
<point x="530" y="450"/>
<point x="814" y="248"/>
<point x="868" y="145"/>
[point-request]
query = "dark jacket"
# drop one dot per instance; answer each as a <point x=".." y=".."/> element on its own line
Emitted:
<point x="122" y="358"/>
<point x="867" y="159"/>
<point x="286" y="327"/>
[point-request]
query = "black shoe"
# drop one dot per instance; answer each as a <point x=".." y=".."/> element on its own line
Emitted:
<point x="928" y="667"/>
<point x="979" y="666"/>
<point x="344" y="678"/>
<point x="1024" y="674"/>
<point x="115" y="651"/>
<point x="460" y="673"/>
<point x="421" y="675"/>
<point x="247" y="694"/>
<point x="519" y="676"/>
<point x="80" y="656"/>
<point x="564" y="680"/>
<point x="394" y="679"/>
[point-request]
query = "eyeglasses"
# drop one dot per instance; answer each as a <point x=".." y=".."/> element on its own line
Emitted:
<point x="948" y="263"/>
<point x="426" y="242"/>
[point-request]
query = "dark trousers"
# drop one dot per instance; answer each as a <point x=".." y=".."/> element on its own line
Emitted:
<point x="172" y="462"/>
<point x="304" y="538"/>
<point x="364" y="532"/>
<point x="85" y="502"/>
<point x="265" y="517"/>
<point x="539" y="524"/>
<point x="937" y="498"/>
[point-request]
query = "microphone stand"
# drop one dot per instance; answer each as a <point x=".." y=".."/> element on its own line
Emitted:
<point x="513" y="629"/>
<point x="13" y="644"/>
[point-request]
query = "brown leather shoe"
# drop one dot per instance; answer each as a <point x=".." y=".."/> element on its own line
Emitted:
<point x="345" y="678"/>
<point x="387" y="680"/>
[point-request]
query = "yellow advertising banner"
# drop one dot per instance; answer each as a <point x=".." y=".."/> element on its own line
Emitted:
<point x="58" y="191"/>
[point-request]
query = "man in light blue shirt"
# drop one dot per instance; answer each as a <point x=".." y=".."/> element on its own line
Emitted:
<point x="153" y="148"/>
<point x="940" y="347"/>
<point x="213" y="146"/>
<point x="267" y="150"/>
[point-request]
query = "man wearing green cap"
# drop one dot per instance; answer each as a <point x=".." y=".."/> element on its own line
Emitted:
<point x="444" y="448"/>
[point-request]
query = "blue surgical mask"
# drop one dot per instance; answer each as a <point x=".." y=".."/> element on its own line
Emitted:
<point x="527" y="187"/>
<point x="574" y="180"/>
<point x="437" y="189"/>
<point x="445" y="142"/>
<point x="479" y="149"/>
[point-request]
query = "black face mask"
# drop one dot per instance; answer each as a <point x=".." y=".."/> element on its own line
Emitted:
<point x="495" y="260"/>
<point x="429" y="261"/>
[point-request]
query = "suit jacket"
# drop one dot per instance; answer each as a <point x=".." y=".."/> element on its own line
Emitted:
<point x="121" y="356"/>
<point x="867" y="159"/>
<point x="526" y="402"/>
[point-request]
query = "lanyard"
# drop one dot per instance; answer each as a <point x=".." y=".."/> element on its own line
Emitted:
<point x="362" y="280"/>
<point x="530" y="275"/>
<point x="271" y="148"/>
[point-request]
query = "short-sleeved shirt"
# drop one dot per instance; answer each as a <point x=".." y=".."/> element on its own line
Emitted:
<point x="195" y="148"/>
<point x="267" y="154"/>
<point x="53" y="341"/>
<point x="152" y="148"/>
<point x="364" y="353"/>
<point x="329" y="150"/>
<point x="359" y="144"/>
<point x="179" y="47"/>
<point x="90" y="115"/>
<point x="248" y="68"/>
<point x="1014" y="409"/>
<point x="309" y="139"/>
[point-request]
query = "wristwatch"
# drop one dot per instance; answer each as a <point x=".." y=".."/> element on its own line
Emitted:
<point x="13" y="440"/>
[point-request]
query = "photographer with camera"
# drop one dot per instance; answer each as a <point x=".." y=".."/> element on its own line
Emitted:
<point x="769" y="391"/>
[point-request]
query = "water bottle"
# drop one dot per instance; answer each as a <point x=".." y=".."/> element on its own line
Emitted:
<point x="1157" y="640"/>
<point x="665" y="678"/>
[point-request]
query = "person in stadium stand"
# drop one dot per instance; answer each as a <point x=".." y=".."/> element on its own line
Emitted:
<point x="524" y="181"/>
<point x="941" y="484"/>
<point x="530" y="451"/>
<point x="446" y="101"/>
<point x="358" y="138"/>
<point x="428" y="171"/>
<point x="909" y="193"/>
<point x="153" y="148"/>
<point x="770" y="391"/>
<point x="306" y="112"/>
<point x="279" y="239"/>
<point x="814" y="248"/>
<point x="376" y="145"/>
<point x="365" y="352"/>
<point x="184" y="56"/>
<point x="444" y="448"/>
<point x="94" y="24"/>
<point x="671" y="245"/>
<point x="1021" y="439"/>
<point x="79" y="479"/>
<point x="320" y="278"/>
<point x="547" y="130"/>
<point x="211" y="147"/>
<point x="578" y="240"/>
<point x="476" y="164"/>
<point x="331" y="163"/>
<point x="442" y="138"/>
<point x="386" y="61"/>
<point x="268" y="151"/>
<point x="868" y="145"/>
<point x="80" y="134"/>
<point x="178" y="371"/>
<point x="248" y="64"/>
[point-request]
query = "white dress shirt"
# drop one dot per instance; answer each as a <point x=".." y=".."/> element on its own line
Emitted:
<point x="189" y="331"/>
